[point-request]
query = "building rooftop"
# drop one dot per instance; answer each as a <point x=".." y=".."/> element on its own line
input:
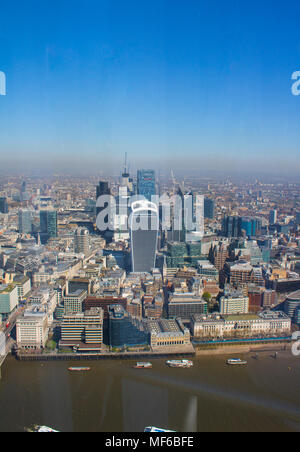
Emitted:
<point x="239" y="317"/>
<point x="6" y="289"/>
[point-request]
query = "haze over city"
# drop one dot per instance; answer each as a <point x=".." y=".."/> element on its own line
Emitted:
<point x="203" y="88"/>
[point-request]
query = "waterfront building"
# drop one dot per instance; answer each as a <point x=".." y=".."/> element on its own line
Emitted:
<point x="215" y="326"/>
<point x="168" y="334"/>
<point x="83" y="330"/>
<point x="32" y="329"/>
<point x="125" y="330"/>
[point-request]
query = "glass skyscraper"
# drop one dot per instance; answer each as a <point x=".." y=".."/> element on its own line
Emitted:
<point x="48" y="223"/>
<point x="144" y="234"/>
<point x="3" y="205"/>
<point x="25" y="221"/>
<point x="209" y="208"/>
<point x="146" y="184"/>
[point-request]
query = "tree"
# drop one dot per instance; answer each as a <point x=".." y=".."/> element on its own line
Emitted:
<point x="206" y="297"/>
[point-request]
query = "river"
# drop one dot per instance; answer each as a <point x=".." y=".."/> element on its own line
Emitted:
<point x="114" y="397"/>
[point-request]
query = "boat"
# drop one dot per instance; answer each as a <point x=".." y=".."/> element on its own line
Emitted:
<point x="180" y="363"/>
<point x="42" y="429"/>
<point x="156" y="430"/>
<point x="79" y="369"/>
<point x="236" y="362"/>
<point x="143" y="366"/>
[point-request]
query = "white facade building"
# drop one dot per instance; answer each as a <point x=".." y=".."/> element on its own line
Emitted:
<point x="32" y="329"/>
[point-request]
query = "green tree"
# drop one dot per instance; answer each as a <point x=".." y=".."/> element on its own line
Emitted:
<point x="207" y="297"/>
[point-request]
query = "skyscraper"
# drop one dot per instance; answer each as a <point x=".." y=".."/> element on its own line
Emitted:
<point x="209" y="208"/>
<point x="3" y="205"/>
<point x="231" y="226"/>
<point x="25" y="221"/>
<point x="82" y="241"/>
<point x="48" y="224"/>
<point x="234" y="226"/>
<point x="146" y="184"/>
<point x="273" y="217"/>
<point x="101" y="190"/>
<point x="144" y="224"/>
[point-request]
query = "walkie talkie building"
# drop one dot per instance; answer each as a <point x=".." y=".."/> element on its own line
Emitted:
<point x="144" y="224"/>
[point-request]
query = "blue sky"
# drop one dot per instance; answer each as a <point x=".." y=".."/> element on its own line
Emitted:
<point x="176" y="84"/>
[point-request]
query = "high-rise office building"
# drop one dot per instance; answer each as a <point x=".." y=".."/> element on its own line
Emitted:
<point x="146" y="183"/>
<point x="3" y="205"/>
<point x="83" y="330"/>
<point x="126" y="330"/>
<point x="82" y="241"/>
<point x="234" y="226"/>
<point x="48" y="224"/>
<point x="144" y="225"/>
<point x="231" y="226"/>
<point x="273" y="217"/>
<point x="25" y="221"/>
<point x="209" y="208"/>
<point x="102" y="189"/>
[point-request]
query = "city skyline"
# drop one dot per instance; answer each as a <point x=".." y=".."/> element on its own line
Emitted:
<point x="206" y="88"/>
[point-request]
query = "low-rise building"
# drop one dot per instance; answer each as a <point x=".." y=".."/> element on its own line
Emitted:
<point x="9" y="298"/>
<point x="168" y="334"/>
<point x="215" y="326"/>
<point x="24" y="286"/>
<point x="73" y="303"/>
<point x="184" y="305"/>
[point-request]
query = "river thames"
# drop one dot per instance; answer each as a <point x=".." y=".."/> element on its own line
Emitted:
<point x="114" y="397"/>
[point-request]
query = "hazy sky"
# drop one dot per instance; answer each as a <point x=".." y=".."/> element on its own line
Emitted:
<point x="176" y="84"/>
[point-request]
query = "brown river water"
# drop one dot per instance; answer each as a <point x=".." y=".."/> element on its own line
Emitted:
<point x="114" y="397"/>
